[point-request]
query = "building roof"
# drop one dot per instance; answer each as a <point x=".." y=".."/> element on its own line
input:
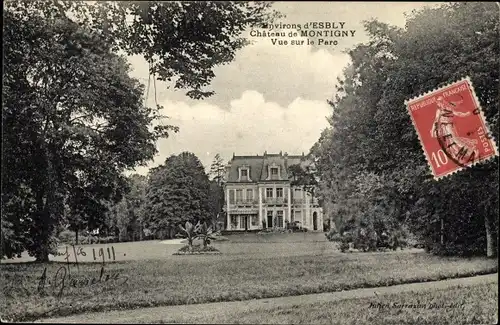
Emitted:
<point x="258" y="165"/>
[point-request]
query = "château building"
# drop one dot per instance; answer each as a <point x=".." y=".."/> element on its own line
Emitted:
<point x="258" y="194"/>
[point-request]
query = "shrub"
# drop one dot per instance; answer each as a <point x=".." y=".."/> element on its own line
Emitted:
<point x="67" y="237"/>
<point x="333" y="235"/>
<point x="368" y="240"/>
<point x="344" y="246"/>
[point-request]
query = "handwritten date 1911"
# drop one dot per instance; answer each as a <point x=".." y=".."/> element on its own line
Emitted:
<point x="97" y="254"/>
<point x="102" y="255"/>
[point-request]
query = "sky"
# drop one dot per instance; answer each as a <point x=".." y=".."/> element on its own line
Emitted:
<point x="271" y="97"/>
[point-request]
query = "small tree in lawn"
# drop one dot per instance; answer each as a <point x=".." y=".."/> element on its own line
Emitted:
<point x="189" y="233"/>
<point x="205" y="233"/>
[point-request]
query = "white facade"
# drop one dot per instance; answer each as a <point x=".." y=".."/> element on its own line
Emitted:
<point x="268" y="201"/>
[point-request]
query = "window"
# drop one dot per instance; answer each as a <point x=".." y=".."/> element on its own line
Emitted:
<point x="274" y="171"/>
<point x="297" y="193"/>
<point x="231" y="196"/>
<point x="269" y="192"/>
<point x="270" y="221"/>
<point x="234" y="222"/>
<point x="249" y="194"/>
<point x="255" y="220"/>
<point x="279" y="192"/>
<point x="244" y="174"/>
<point x="239" y="195"/>
<point x="279" y="221"/>
<point x="298" y="216"/>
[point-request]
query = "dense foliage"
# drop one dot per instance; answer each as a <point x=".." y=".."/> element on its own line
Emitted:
<point x="177" y="192"/>
<point x="72" y="117"/>
<point x="370" y="159"/>
<point x="125" y="219"/>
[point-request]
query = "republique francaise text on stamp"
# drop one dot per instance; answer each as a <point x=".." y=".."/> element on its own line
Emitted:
<point x="451" y="127"/>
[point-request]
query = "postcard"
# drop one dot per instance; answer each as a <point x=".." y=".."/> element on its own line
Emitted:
<point x="223" y="162"/>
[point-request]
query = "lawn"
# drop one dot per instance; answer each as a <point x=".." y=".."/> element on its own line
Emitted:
<point x="235" y="246"/>
<point x="457" y="305"/>
<point x="244" y="271"/>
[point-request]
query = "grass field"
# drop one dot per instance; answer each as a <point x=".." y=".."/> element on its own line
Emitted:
<point x="458" y="305"/>
<point x="245" y="270"/>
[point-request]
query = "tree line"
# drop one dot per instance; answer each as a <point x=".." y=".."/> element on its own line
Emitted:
<point x="370" y="160"/>
<point x="170" y="195"/>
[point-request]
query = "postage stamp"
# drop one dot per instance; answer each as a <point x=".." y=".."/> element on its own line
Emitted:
<point x="451" y="127"/>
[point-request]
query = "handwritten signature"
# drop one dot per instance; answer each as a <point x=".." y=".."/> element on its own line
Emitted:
<point x="63" y="279"/>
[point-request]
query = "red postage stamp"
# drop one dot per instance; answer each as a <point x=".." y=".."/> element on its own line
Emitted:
<point x="451" y="127"/>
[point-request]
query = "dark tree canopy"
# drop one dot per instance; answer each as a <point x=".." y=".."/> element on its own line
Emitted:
<point x="370" y="160"/>
<point x="177" y="192"/>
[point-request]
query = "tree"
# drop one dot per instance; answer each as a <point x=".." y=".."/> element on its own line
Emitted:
<point x="75" y="119"/>
<point x="218" y="170"/>
<point x="304" y="177"/>
<point x="216" y="202"/>
<point x="205" y="233"/>
<point x="371" y="133"/>
<point x="177" y="192"/>
<point x="127" y="216"/>
<point x="188" y="232"/>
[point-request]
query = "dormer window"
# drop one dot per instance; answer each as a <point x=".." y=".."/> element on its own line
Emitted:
<point x="273" y="171"/>
<point x="244" y="173"/>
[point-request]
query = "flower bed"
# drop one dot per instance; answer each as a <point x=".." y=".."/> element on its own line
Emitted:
<point x="197" y="250"/>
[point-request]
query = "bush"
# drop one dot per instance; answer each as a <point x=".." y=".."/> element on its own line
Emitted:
<point x="67" y="237"/>
<point x="368" y="240"/>
<point x="333" y="235"/>
<point x="344" y="246"/>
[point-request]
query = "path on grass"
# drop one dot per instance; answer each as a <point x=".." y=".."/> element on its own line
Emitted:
<point x="204" y="312"/>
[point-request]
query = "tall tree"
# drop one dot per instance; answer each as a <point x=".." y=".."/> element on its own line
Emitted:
<point x="218" y="170"/>
<point x="218" y="173"/>
<point x="75" y="119"/>
<point x="177" y="192"/>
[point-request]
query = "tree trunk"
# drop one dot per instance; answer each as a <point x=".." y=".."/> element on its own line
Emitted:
<point x="43" y="255"/>
<point x="491" y="240"/>
<point x="76" y="236"/>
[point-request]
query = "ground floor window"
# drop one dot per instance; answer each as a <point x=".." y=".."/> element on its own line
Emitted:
<point x="255" y="220"/>
<point x="298" y="216"/>
<point x="270" y="221"/>
<point x="279" y="219"/>
<point x="234" y="222"/>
